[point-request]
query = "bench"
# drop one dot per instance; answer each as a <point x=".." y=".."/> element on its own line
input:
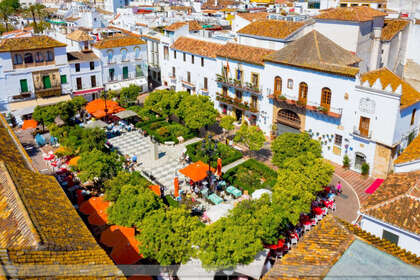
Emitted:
<point x="170" y="143"/>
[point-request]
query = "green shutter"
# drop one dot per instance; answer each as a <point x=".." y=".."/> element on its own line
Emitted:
<point x="125" y="72"/>
<point x="47" y="82"/>
<point x="139" y="71"/>
<point x="23" y="85"/>
<point x="63" y="79"/>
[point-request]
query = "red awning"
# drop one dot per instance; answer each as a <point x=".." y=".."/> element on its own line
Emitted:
<point x="92" y="90"/>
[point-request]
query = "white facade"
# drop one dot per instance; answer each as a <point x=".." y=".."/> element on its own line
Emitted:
<point x="86" y="78"/>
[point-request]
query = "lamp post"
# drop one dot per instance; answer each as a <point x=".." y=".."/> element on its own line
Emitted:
<point x="209" y="150"/>
<point x="106" y="108"/>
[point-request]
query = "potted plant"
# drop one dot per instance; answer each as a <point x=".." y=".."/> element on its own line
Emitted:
<point x="273" y="131"/>
<point x="346" y="161"/>
<point x="365" y="169"/>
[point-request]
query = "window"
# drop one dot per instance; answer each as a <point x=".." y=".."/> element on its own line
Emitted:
<point x="111" y="74"/>
<point x="254" y="101"/>
<point x="238" y="94"/>
<point x="413" y="117"/>
<point x="338" y="140"/>
<point x="239" y="75"/>
<point x="39" y="57"/>
<point x="125" y="72"/>
<point x="50" y="56"/>
<point x="137" y="53"/>
<point x="184" y="57"/>
<point x="124" y="55"/>
<point x="28" y="58"/>
<point x="174" y="54"/>
<point x="206" y="86"/>
<point x="364" y="126"/>
<point x="290" y="83"/>
<point x="92" y="65"/>
<point x="139" y="71"/>
<point x="303" y="93"/>
<point x="166" y="52"/>
<point x="93" y="81"/>
<point x="277" y="85"/>
<point x="46" y="82"/>
<point x="225" y="71"/>
<point x="18" y="59"/>
<point x="192" y="59"/>
<point x="79" y="83"/>
<point x="110" y="55"/>
<point x="343" y="5"/>
<point x="77" y="67"/>
<point x="390" y="236"/>
<point x="326" y="98"/>
<point x="63" y="79"/>
<point x="254" y="79"/>
<point x="225" y="91"/>
<point x="189" y="77"/>
<point x="24" y="86"/>
<point x="202" y="62"/>
<point x="173" y="72"/>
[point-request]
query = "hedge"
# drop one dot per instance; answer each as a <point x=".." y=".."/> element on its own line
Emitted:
<point x="226" y="153"/>
<point x="153" y="127"/>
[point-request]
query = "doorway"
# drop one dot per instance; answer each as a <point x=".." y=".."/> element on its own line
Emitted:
<point x="238" y="114"/>
<point x="359" y="160"/>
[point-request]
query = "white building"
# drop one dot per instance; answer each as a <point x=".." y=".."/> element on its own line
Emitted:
<point x="123" y="60"/>
<point x="392" y="211"/>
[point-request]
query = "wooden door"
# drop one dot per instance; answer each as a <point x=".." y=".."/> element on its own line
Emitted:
<point x="303" y="93"/>
<point x="364" y="126"/>
<point x="326" y="98"/>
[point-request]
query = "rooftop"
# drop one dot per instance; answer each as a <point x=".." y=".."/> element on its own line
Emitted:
<point x="175" y="26"/>
<point x="244" y="53"/>
<point x="74" y="57"/>
<point x="29" y="43"/>
<point x="392" y="27"/>
<point x="317" y="52"/>
<point x="410" y="153"/>
<point x="194" y="26"/>
<point x="253" y="16"/>
<point x="409" y="95"/>
<point x="118" y="41"/>
<point x="357" y="14"/>
<point x="270" y="28"/>
<point x="79" y="36"/>
<point x="194" y="46"/>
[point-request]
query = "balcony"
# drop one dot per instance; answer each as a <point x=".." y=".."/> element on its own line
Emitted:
<point x="48" y="92"/>
<point x="237" y="103"/>
<point x="239" y="85"/>
<point x="22" y="96"/>
<point x="172" y="78"/>
<point x="361" y="133"/>
<point x="187" y="84"/>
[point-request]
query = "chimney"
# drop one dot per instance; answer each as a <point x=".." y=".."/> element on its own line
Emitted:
<point x="374" y="54"/>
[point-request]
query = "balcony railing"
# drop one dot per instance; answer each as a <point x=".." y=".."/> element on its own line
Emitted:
<point x="187" y="83"/>
<point x="239" y="85"/>
<point x="358" y="132"/>
<point x="47" y="92"/>
<point x="22" y="96"/>
<point x="236" y="102"/>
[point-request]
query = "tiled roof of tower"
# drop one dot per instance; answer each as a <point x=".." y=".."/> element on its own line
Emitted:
<point x="357" y="14"/>
<point x="410" y="153"/>
<point x="270" y="28"/>
<point x="118" y="41"/>
<point x="317" y="52"/>
<point x="409" y="95"/>
<point x="253" y="16"/>
<point x="194" y="46"/>
<point x="51" y="231"/>
<point x="79" y="36"/>
<point x="397" y="201"/>
<point x="29" y="43"/>
<point x="392" y="27"/>
<point x="244" y="53"/>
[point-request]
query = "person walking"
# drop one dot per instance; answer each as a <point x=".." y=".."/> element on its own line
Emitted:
<point x="338" y="187"/>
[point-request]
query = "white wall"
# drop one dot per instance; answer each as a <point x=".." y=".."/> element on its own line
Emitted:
<point x="414" y="43"/>
<point x="407" y="167"/>
<point x="260" y="42"/>
<point x="85" y="73"/>
<point x="345" y="34"/>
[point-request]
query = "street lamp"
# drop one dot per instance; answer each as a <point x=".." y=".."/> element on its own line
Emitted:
<point x="210" y="149"/>
<point x="106" y="108"/>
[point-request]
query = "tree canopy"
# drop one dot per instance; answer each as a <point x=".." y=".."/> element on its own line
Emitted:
<point x="97" y="166"/>
<point x="167" y="235"/>
<point x="251" y="136"/>
<point x="113" y="186"/>
<point x="128" y="95"/>
<point x="227" y="123"/>
<point x="79" y="139"/>
<point x="290" y="145"/>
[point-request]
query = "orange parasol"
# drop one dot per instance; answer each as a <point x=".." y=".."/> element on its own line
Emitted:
<point x="97" y="107"/>
<point x="27" y="124"/>
<point x="155" y="189"/>
<point x="93" y="205"/>
<point x="73" y="161"/>
<point x="196" y="171"/>
<point x="99" y="218"/>
<point x="176" y="186"/>
<point x="219" y="167"/>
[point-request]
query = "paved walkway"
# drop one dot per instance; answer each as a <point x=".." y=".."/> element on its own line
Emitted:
<point x="233" y="164"/>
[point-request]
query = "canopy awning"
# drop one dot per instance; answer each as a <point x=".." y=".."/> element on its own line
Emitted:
<point x="87" y="91"/>
<point x="28" y="106"/>
<point x="196" y="171"/>
<point x="27" y="124"/>
<point x="126" y="114"/>
<point x="95" y="124"/>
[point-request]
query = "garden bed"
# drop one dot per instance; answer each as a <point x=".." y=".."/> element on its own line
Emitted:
<point x="251" y="175"/>
<point x="225" y="152"/>
<point x="164" y="131"/>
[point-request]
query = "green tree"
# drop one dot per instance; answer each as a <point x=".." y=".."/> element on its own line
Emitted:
<point x="152" y="101"/>
<point x="128" y="95"/>
<point x="45" y="115"/>
<point x="113" y="186"/>
<point x="66" y="111"/>
<point x="197" y="111"/>
<point x="98" y="166"/>
<point x="227" y="123"/>
<point x="251" y="136"/>
<point x="167" y="235"/>
<point x="78" y="103"/>
<point x="293" y="144"/>
<point x="133" y="205"/>
<point x="79" y="139"/>
<point x="35" y="11"/>
<point x="8" y="8"/>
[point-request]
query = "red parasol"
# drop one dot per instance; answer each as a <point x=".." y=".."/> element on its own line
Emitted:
<point x="27" y="124"/>
<point x="196" y="171"/>
<point x="93" y="205"/>
<point x="176" y="185"/>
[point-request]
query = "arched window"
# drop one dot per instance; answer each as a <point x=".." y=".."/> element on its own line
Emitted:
<point x="110" y="55"/>
<point x="137" y="52"/>
<point x="303" y="93"/>
<point x="123" y="54"/>
<point x="326" y="98"/>
<point x="50" y="56"/>
<point x="39" y="57"/>
<point x="277" y="85"/>
<point x="18" y="59"/>
<point x="28" y="58"/>
<point x="289" y="118"/>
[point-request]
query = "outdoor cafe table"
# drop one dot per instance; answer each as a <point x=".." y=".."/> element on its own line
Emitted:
<point x="234" y="191"/>
<point x="205" y="192"/>
<point x="215" y="198"/>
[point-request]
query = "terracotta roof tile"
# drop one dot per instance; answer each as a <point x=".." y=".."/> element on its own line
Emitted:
<point x="79" y="36"/>
<point x="392" y="27"/>
<point x="194" y="26"/>
<point x="175" y="26"/>
<point x="72" y="19"/>
<point x="74" y="57"/>
<point x="29" y="43"/>
<point x="253" y="16"/>
<point x="410" y="153"/>
<point x="244" y="53"/>
<point x="270" y="28"/>
<point x="125" y="31"/>
<point x="194" y="46"/>
<point x="317" y="52"/>
<point x="118" y="41"/>
<point x="358" y="14"/>
<point x="409" y="95"/>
